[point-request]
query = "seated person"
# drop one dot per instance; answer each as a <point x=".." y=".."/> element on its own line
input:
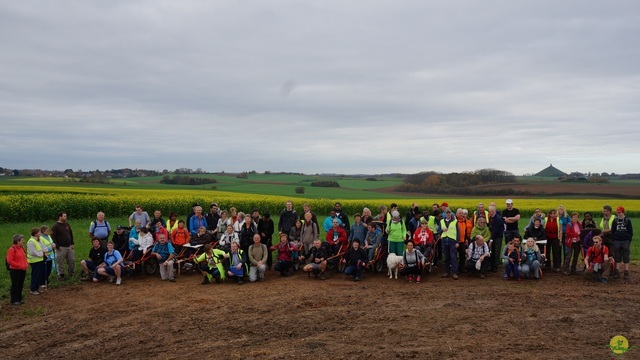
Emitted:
<point x="227" y="238"/>
<point x="337" y="237"/>
<point x="258" y="253"/>
<point x="211" y="264"/>
<point x="180" y="236"/>
<point x="356" y="260"/>
<point x="423" y="238"/>
<point x="121" y="240"/>
<point x="328" y="222"/>
<point x="537" y="232"/>
<point x="372" y="240"/>
<point x="134" y="233"/>
<point x="597" y="262"/>
<point x="412" y="261"/>
<point x="285" y="260"/>
<point x="164" y="252"/>
<point x="317" y="257"/>
<point x="478" y="255"/>
<point x="96" y="257"/>
<point x="513" y="263"/>
<point x="160" y="229"/>
<point x="531" y="258"/>
<point x="480" y="228"/>
<point x="112" y="265"/>
<point x="144" y="242"/>
<point x="237" y="264"/>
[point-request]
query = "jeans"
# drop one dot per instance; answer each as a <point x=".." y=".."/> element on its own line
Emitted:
<point x="256" y="272"/>
<point x="450" y="256"/>
<point x="527" y="268"/>
<point x="37" y="275"/>
<point x="167" y="272"/>
<point x="572" y="255"/>
<point x="354" y="270"/>
<point x="512" y="268"/>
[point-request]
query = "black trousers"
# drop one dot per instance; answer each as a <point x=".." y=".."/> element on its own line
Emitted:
<point x="17" y="284"/>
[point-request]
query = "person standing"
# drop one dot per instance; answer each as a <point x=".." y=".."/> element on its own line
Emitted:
<point x="511" y="216"/>
<point x="344" y="218"/>
<point x="288" y="217"/>
<point x="605" y="225"/>
<point x="621" y="236"/>
<point x="139" y="215"/>
<point x="309" y="232"/>
<point x="266" y="228"/>
<point x="17" y="260"/>
<point x="35" y="257"/>
<point x="450" y="243"/>
<point x="100" y="229"/>
<point x="496" y="227"/>
<point x="62" y="236"/>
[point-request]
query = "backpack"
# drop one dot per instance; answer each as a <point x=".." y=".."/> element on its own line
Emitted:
<point x="472" y="248"/>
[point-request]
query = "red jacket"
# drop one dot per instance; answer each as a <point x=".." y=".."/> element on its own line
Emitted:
<point x="422" y="239"/>
<point x="342" y="237"/>
<point x="572" y="235"/>
<point x="284" y="252"/>
<point x="17" y="258"/>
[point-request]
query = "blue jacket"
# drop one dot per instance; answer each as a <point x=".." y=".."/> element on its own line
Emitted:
<point x="195" y="223"/>
<point x="164" y="250"/>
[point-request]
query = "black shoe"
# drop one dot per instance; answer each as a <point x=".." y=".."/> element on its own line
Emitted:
<point x="322" y="276"/>
<point x="240" y="282"/>
<point x="205" y="281"/>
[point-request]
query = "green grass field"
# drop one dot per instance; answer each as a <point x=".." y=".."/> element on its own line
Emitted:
<point x="282" y="185"/>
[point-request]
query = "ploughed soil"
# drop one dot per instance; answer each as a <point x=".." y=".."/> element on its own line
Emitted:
<point x="559" y="316"/>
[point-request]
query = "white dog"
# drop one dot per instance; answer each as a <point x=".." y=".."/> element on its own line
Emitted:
<point x="393" y="263"/>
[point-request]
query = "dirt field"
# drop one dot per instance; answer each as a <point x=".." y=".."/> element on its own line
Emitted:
<point x="296" y="317"/>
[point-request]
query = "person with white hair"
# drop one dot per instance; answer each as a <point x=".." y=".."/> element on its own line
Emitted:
<point x="397" y="232"/>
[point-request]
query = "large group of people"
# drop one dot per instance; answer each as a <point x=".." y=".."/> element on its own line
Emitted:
<point x="232" y="245"/>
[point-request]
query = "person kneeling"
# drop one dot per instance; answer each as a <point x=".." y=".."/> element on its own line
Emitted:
<point x="165" y="254"/>
<point x="356" y="260"/>
<point x="531" y="259"/>
<point x="211" y="264"/>
<point x="412" y="261"/>
<point x="597" y="262"/>
<point x="478" y="257"/>
<point x="237" y="263"/>
<point x="112" y="265"/>
<point x="317" y="256"/>
<point x="284" y="255"/>
<point x="257" y="259"/>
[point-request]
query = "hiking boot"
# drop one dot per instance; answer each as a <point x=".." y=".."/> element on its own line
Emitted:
<point x="85" y="278"/>
<point x="616" y="275"/>
<point x="357" y="278"/>
<point x="604" y="280"/>
<point x="119" y="281"/>
<point x="34" y="293"/>
<point x="482" y="276"/>
<point x="172" y="280"/>
<point x="418" y="279"/>
<point x="626" y="275"/>
<point x="445" y="275"/>
<point x="240" y="282"/>
<point x="322" y="276"/>
<point x="205" y="281"/>
<point x="455" y="276"/>
<point x="505" y="277"/>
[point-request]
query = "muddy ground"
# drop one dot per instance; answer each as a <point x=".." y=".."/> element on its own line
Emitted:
<point x="297" y="317"/>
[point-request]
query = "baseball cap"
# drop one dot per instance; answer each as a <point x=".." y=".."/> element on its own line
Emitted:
<point x="119" y="227"/>
<point x="509" y="201"/>
<point x="620" y="209"/>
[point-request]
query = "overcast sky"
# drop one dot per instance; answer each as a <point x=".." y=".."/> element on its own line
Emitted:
<point x="323" y="86"/>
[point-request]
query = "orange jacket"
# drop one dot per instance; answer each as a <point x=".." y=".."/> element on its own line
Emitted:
<point x="180" y="236"/>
